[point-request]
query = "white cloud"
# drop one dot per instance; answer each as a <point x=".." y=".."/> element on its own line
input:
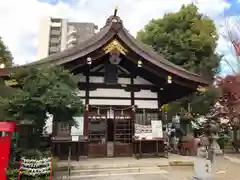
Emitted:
<point x="20" y="18"/>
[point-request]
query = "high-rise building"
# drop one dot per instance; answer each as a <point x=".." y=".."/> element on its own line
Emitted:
<point x="57" y="34"/>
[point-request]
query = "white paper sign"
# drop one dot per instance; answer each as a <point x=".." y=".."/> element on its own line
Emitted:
<point x="143" y="131"/>
<point x="203" y="168"/>
<point x="157" y="131"/>
<point x="77" y="131"/>
<point x="75" y="138"/>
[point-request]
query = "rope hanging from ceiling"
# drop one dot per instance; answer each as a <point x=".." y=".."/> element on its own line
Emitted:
<point x="110" y="108"/>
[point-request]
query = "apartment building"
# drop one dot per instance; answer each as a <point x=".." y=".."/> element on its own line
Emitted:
<point x="56" y="34"/>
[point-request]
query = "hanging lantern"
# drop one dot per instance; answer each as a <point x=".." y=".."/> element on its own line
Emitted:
<point x="2" y="66"/>
<point x="169" y="79"/>
<point x="89" y="61"/>
<point x="139" y="63"/>
<point x="201" y="89"/>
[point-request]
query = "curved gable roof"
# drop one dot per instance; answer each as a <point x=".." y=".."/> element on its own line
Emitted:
<point x="114" y="27"/>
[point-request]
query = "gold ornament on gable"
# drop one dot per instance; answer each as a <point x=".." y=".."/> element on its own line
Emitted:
<point x="114" y="46"/>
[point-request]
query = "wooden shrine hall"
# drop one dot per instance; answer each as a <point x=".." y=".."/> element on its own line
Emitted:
<point x="123" y="84"/>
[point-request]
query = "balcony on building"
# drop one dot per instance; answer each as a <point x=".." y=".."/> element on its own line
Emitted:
<point x="72" y="40"/>
<point x="55" y="41"/>
<point x="71" y="31"/>
<point x="54" y="49"/>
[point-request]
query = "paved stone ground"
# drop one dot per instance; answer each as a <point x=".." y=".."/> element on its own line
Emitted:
<point x="224" y="168"/>
<point x="227" y="170"/>
<point x="122" y="162"/>
<point x="136" y="177"/>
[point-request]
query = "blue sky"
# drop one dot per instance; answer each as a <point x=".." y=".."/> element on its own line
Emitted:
<point x="20" y="19"/>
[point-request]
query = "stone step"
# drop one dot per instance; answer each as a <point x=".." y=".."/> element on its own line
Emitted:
<point x="109" y="171"/>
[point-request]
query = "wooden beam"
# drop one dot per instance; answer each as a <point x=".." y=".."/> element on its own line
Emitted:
<point x="161" y="73"/>
<point x="101" y="74"/>
<point x="120" y="98"/>
<point x="127" y="87"/>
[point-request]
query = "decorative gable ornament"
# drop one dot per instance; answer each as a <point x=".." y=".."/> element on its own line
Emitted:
<point x="114" y="57"/>
<point x="114" y="46"/>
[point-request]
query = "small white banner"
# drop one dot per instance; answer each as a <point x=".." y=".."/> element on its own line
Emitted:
<point x="75" y="138"/>
<point x="157" y="131"/>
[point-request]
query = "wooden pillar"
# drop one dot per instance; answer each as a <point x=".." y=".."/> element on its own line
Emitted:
<point x="54" y="129"/>
<point x="134" y="108"/>
<point x="87" y="88"/>
<point x="85" y="120"/>
<point x="86" y="113"/>
<point x="133" y="104"/>
<point x="133" y="115"/>
<point x="159" y="105"/>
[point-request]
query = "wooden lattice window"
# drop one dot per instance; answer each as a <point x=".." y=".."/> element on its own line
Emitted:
<point x="63" y="129"/>
<point x="97" y="131"/>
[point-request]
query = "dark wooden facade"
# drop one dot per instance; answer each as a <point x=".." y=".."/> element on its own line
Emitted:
<point x="119" y="75"/>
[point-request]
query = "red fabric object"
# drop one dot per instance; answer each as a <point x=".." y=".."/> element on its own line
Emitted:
<point x="5" y="142"/>
<point x="4" y="155"/>
<point x="7" y="126"/>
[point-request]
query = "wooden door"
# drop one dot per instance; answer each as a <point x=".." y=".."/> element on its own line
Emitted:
<point x="97" y="134"/>
<point x="123" y="134"/>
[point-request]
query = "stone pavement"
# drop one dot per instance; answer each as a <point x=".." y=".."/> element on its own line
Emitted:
<point x="234" y="157"/>
<point x="151" y="168"/>
<point x="99" y="163"/>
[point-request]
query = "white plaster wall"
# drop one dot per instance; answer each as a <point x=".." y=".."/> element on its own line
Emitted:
<point x="110" y="93"/>
<point x="109" y="102"/>
<point x="81" y="93"/>
<point x="119" y="93"/>
<point x="145" y="94"/>
<point x="94" y="79"/>
<point x="147" y="104"/>
<point x="139" y="80"/>
<point x="83" y="101"/>
<point x="124" y="80"/>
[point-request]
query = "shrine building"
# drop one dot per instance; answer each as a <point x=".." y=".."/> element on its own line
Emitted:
<point x="122" y="83"/>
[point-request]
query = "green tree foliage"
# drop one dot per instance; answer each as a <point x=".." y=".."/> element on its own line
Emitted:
<point x="188" y="39"/>
<point x="5" y="55"/>
<point x="6" y="59"/>
<point x="43" y="91"/>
